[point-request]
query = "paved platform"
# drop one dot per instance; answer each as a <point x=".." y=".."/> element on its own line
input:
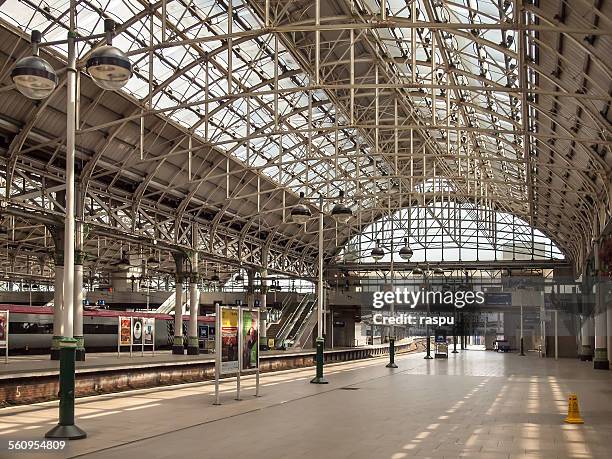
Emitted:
<point x="476" y="404"/>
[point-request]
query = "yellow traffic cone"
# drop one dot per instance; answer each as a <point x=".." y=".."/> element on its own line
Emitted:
<point x="573" y="412"/>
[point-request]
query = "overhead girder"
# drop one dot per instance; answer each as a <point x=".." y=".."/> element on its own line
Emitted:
<point x="581" y="189"/>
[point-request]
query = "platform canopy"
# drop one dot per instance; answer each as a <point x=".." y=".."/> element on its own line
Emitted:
<point x="236" y="107"/>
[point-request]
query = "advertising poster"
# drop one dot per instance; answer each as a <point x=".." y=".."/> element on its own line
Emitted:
<point x="3" y="327"/>
<point x="125" y="331"/>
<point x="137" y="330"/>
<point x="250" y="339"/>
<point x="148" y="326"/>
<point x="229" y="340"/>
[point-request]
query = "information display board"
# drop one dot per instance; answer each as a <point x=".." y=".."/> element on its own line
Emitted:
<point x="137" y="331"/>
<point x="229" y="340"/>
<point x="149" y="331"/>
<point x="236" y="344"/>
<point x="125" y="331"/>
<point x="4" y="333"/>
<point x="250" y="339"/>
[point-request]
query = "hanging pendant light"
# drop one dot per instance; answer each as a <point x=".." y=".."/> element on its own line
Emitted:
<point x="406" y="252"/>
<point x="377" y="252"/>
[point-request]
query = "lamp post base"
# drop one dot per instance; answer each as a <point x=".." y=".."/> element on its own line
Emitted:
<point x="428" y="357"/>
<point x="71" y="432"/>
<point x="391" y="365"/>
<point x="319" y="379"/>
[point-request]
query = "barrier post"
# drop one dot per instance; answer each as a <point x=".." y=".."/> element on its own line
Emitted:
<point x="391" y="363"/>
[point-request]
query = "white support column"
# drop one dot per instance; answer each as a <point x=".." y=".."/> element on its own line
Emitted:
<point x="600" y="359"/>
<point x="609" y="330"/>
<point x="69" y="221"/>
<point x="78" y="308"/>
<point x="556" y="335"/>
<point x="178" y="346"/>
<point x="586" y="353"/>
<point x="193" y="347"/>
<point x="78" y="285"/>
<point x="263" y="312"/>
<point x="58" y="294"/>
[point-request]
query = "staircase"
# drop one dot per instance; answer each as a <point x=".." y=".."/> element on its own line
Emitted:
<point x="167" y="307"/>
<point x="274" y="327"/>
<point x="294" y="319"/>
<point x="303" y="336"/>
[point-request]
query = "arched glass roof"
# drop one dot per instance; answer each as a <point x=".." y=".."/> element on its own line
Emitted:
<point x="496" y="104"/>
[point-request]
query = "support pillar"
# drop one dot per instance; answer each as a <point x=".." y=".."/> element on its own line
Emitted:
<point x="600" y="358"/>
<point x="58" y="289"/>
<point x="193" y="347"/>
<point x="178" y="346"/>
<point x="58" y="294"/>
<point x="263" y="312"/>
<point x="609" y="330"/>
<point x="586" y="352"/>
<point x="78" y="307"/>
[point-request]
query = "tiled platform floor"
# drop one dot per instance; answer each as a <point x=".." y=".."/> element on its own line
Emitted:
<point x="476" y="404"/>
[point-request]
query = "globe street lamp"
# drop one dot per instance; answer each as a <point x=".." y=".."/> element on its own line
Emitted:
<point x="35" y="78"/>
<point x="109" y="67"/>
<point x="300" y="214"/>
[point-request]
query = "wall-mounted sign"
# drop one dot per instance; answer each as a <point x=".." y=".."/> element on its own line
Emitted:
<point x="203" y="332"/>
